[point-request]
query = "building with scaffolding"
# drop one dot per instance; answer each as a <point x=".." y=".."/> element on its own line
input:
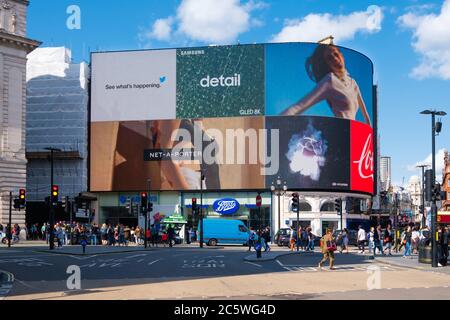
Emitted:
<point x="57" y="117"/>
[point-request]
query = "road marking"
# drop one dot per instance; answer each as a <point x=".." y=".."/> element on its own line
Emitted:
<point x="254" y="264"/>
<point x="136" y="256"/>
<point x="89" y="265"/>
<point x="203" y="263"/>
<point x="150" y="263"/>
<point x="83" y="258"/>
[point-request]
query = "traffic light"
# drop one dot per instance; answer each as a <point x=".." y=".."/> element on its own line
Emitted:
<point x="194" y="206"/>
<point x="144" y="202"/>
<point x="55" y="195"/>
<point x="429" y="183"/>
<point x="17" y="204"/>
<point x="295" y="202"/>
<point x="150" y="207"/>
<point x="421" y="209"/>
<point x="22" y="197"/>
<point x="338" y="206"/>
<point x="436" y="192"/>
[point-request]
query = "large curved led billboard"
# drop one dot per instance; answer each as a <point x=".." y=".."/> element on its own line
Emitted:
<point x="244" y="115"/>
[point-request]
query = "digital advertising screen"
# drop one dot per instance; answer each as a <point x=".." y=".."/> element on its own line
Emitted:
<point x="244" y="115"/>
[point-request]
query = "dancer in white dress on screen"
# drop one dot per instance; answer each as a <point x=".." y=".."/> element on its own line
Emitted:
<point x="327" y="68"/>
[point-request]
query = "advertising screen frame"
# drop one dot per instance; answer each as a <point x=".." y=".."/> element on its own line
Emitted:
<point x="267" y="188"/>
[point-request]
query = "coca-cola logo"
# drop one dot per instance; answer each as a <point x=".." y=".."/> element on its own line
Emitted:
<point x="365" y="162"/>
<point x="226" y="206"/>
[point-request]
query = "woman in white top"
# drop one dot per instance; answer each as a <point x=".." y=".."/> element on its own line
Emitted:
<point x="327" y="68"/>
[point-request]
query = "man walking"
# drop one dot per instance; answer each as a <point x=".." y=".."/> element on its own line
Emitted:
<point x="443" y="246"/>
<point x="251" y="239"/>
<point x="361" y="239"/>
<point x="170" y="235"/>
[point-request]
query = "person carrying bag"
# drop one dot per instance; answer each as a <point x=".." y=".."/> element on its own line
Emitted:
<point x="328" y="245"/>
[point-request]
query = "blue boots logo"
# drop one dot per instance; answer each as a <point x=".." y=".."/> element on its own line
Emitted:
<point x="226" y="206"/>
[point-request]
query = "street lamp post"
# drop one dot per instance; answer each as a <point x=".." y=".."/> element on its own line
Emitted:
<point x="52" y="209"/>
<point x="202" y="178"/>
<point x="422" y="193"/>
<point x="434" y="131"/>
<point x="280" y="190"/>
<point x="149" y="181"/>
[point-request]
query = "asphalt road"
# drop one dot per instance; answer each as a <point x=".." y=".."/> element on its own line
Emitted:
<point x="45" y="273"/>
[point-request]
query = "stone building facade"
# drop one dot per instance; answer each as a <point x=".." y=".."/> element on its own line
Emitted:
<point x="14" y="47"/>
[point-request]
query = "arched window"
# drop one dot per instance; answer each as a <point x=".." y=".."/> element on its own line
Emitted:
<point x="327" y="206"/>
<point x="305" y="206"/>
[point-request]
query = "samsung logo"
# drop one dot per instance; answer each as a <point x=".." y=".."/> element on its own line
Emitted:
<point x="226" y="206"/>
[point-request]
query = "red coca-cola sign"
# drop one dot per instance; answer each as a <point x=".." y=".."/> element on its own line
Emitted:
<point x="362" y="157"/>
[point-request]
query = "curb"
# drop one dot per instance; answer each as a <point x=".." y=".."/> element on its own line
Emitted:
<point x="6" y="283"/>
<point x="251" y="258"/>
<point x="402" y="265"/>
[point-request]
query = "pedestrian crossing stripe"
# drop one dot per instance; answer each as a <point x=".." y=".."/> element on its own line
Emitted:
<point x="338" y="268"/>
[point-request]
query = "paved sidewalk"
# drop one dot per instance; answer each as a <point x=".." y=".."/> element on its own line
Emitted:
<point x="410" y="262"/>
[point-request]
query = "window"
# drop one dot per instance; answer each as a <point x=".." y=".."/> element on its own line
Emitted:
<point x="305" y="206"/>
<point x="448" y="183"/>
<point x="242" y="228"/>
<point x="327" y="206"/>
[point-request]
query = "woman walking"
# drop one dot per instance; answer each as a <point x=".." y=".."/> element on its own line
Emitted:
<point x="328" y="245"/>
<point x="344" y="244"/>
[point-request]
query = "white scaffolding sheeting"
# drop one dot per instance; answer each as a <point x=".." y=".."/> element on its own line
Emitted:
<point x="57" y="116"/>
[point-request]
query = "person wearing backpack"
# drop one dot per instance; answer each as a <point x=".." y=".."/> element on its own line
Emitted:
<point x="328" y="246"/>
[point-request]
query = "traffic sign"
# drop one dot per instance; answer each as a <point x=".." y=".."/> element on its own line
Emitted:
<point x="258" y="200"/>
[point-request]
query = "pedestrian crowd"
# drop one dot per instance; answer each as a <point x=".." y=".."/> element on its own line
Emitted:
<point x="259" y="239"/>
<point x="303" y="238"/>
<point x="66" y="233"/>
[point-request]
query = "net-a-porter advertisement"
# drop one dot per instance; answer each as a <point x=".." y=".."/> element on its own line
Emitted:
<point x="243" y="115"/>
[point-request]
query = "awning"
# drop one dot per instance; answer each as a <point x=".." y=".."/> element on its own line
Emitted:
<point x="174" y="220"/>
<point x="443" y="217"/>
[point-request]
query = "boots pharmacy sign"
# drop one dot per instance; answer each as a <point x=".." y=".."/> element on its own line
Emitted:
<point x="226" y="206"/>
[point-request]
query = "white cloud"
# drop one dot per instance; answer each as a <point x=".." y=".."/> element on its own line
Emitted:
<point x="212" y="21"/>
<point x="162" y="29"/>
<point x="207" y="21"/>
<point x="314" y="27"/>
<point x="431" y="39"/>
<point x="427" y="161"/>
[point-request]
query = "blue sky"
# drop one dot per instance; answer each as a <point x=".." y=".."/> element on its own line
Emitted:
<point x="408" y="41"/>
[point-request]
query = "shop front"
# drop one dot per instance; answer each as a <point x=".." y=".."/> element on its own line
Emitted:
<point x="124" y="208"/>
<point x="228" y="205"/>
